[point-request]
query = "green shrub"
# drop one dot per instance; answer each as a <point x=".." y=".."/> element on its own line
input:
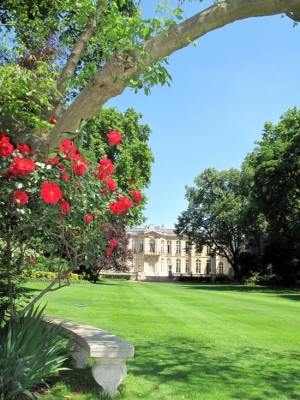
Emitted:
<point x="30" y="351"/>
<point x="45" y="276"/>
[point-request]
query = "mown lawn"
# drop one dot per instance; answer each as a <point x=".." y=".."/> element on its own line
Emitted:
<point x="193" y="342"/>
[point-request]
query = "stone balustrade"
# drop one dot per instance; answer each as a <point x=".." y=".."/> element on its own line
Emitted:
<point x="109" y="352"/>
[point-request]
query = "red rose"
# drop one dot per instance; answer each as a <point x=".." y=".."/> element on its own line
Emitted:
<point x="21" y="166"/>
<point x="137" y="195"/>
<point x="111" y="184"/>
<point x="6" y="148"/>
<point x="51" y="192"/>
<point x="107" y="252"/>
<point x="79" y="165"/>
<point x="32" y="261"/>
<point x="20" y="198"/>
<point x="105" y="168"/>
<point x="52" y="120"/>
<point x="113" y="243"/>
<point x="24" y="149"/>
<point x="114" y="138"/>
<point x="123" y="204"/>
<point x="68" y="148"/>
<point x="52" y="160"/>
<point x="65" y="206"/>
<point x="65" y="177"/>
<point x="88" y="218"/>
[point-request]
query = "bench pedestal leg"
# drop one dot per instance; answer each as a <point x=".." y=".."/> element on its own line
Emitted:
<point x="109" y="374"/>
<point x="79" y="356"/>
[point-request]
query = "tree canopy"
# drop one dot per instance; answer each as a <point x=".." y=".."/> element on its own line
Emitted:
<point x="275" y="191"/>
<point x="67" y="59"/>
<point x="216" y="214"/>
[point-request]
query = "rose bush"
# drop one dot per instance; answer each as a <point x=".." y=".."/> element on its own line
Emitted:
<point x="58" y="204"/>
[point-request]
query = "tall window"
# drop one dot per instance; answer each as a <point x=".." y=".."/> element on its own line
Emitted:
<point x="208" y="267"/>
<point x="178" y="247"/>
<point x="178" y="265"/>
<point x="162" y="265"/>
<point x="141" y="247"/>
<point x="152" y="246"/>
<point x="187" y="266"/>
<point x="197" y="249"/>
<point x="221" y="268"/>
<point x="169" y="262"/>
<point x="209" y="250"/>
<point x="198" y="266"/>
<point x="133" y="246"/>
<point x="162" y="247"/>
<point x="169" y="247"/>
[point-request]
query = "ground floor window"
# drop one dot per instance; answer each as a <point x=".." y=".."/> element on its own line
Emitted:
<point x="198" y="266"/>
<point x="208" y="267"/>
<point x="187" y="266"/>
<point x="178" y="265"/>
<point x="221" y="268"/>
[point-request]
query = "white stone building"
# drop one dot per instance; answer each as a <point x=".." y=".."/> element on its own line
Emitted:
<point x="159" y="253"/>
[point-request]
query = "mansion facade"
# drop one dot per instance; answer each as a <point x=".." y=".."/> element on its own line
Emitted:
<point x="159" y="253"/>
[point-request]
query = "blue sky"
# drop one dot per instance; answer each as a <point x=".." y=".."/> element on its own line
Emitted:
<point x="222" y="92"/>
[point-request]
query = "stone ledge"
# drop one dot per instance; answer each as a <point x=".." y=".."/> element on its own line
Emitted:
<point x="110" y="352"/>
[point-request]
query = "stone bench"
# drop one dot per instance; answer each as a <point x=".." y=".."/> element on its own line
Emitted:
<point x="109" y="352"/>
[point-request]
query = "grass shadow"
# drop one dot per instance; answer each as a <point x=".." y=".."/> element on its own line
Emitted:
<point x="250" y="374"/>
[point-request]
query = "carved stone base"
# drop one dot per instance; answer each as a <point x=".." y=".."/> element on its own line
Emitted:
<point x="109" y="374"/>
<point x="79" y="356"/>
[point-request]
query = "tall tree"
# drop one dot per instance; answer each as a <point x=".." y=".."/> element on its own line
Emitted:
<point x="216" y="214"/>
<point x="67" y="59"/>
<point x="275" y="193"/>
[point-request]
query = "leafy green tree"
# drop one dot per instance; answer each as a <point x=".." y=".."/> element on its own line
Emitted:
<point x="134" y="159"/>
<point x="275" y="193"/>
<point x="216" y="214"/>
<point x="66" y="59"/>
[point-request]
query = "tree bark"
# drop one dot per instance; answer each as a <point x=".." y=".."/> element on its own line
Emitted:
<point x="112" y="79"/>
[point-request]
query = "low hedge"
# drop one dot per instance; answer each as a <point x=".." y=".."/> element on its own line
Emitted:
<point x="45" y="276"/>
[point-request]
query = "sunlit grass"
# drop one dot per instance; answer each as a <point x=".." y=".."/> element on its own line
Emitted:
<point x="208" y="342"/>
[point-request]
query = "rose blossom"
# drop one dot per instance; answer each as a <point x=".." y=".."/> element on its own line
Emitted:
<point x="20" y="198"/>
<point x="52" y="160"/>
<point x="51" y="192"/>
<point x="88" y="218"/>
<point x="65" y="206"/>
<point x="123" y="204"/>
<point x="137" y="195"/>
<point x="68" y="148"/>
<point x="111" y="184"/>
<point x="6" y="148"/>
<point x="114" y="138"/>
<point x="65" y="177"/>
<point x="24" y="149"/>
<point x="79" y="165"/>
<point x="21" y="166"/>
<point x="105" y="168"/>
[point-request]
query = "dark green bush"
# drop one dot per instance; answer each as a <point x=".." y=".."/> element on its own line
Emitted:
<point x="30" y="351"/>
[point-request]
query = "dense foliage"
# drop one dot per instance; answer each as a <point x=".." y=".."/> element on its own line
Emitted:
<point x="216" y="213"/>
<point x="29" y="352"/>
<point x="275" y="192"/>
<point x="252" y="216"/>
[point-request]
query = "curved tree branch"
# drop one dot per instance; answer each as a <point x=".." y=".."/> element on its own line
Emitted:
<point x="112" y="79"/>
<point x="77" y="51"/>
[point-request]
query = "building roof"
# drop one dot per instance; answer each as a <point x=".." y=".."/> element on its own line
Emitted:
<point x="152" y="228"/>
